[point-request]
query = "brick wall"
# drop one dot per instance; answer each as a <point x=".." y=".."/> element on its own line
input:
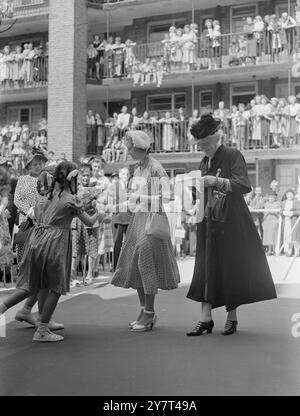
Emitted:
<point x="67" y="77"/>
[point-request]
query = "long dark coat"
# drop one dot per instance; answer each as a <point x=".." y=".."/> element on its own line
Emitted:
<point x="238" y="273"/>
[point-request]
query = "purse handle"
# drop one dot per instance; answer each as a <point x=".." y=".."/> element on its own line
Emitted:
<point x="209" y="203"/>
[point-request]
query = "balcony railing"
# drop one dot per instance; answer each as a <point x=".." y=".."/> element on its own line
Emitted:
<point x="24" y="8"/>
<point x="24" y="73"/>
<point x="110" y="2"/>
<point x="151" y="62"/>
<point x="174" y="137"/>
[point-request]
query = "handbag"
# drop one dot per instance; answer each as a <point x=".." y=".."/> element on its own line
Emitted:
<point x="220" y="205"/>
<point x="23" y="232"/>
<point x="157" y="226"/>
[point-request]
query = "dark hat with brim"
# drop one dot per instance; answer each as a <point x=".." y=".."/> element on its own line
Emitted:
<point x="205" y="127"/>
<point x="37" y="153"/>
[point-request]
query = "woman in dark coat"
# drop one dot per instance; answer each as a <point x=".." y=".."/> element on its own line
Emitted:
<point x="231" y="268"/>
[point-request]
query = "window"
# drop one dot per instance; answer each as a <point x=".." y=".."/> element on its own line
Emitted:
<point x="36" y="41"/>
<point x="166" y="102"/>
<point x="242" y="93"/>
<point x="282" y="90"/>
<point x="206" y="99"/>
<point x="30" y="115"/>
<point x="282" y="8"/>
<point x="287" y="176"/>
<point x="157" y="30"/>
<point x="239" y="14"/>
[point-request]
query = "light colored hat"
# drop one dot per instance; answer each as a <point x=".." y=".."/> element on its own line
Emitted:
<point x="140" y="139"/>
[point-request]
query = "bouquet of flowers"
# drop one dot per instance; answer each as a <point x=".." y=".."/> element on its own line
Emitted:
<point x="89" y="196"/>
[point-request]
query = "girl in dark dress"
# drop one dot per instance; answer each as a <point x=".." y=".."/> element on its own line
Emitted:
<point x="231" y="267"/>
<point x="46" y="264"/>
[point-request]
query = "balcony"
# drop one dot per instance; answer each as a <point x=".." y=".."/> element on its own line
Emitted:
<point x="29" y="8"/>
<point x="24" y="79"/>
<point x="108" y="4"/>
<point x="171" y="141"/>
<point x="161" y="64"/>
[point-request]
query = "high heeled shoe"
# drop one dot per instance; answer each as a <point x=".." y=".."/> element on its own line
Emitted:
<point x="131" y="325"/>
<point x="200" y="328"/>
<point x="230" y="327"/>
<point x="145" y="328"/>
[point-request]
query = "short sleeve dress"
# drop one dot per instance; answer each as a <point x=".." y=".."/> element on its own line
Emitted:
<point x="145" y="261"/>
<point x="47" y="255"/>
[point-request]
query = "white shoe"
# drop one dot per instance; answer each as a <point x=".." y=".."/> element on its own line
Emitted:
<point x="47" y="336"/>
<point x="89" y="281"/>
<point x="26" y="317"/>
<point x="53" y="326"/>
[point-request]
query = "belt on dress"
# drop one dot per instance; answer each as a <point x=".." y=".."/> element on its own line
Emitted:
<point x="40" y="229"/>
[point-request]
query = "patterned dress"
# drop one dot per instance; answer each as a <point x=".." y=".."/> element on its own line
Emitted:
<point x="85" y="239"/>
<point x="26" y="197"/>
<point x="145" y="261"/>
<point x="6" y="254"/>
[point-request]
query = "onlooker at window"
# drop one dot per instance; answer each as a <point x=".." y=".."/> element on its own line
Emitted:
<point x="90" y="122"/>
<point x="289" y="24"/>
<point x="251" y="42"/>
<point x="293" y="110"/>
<point x="258" y="31"/>
<point x="275" y="125"/>
<point x="96" y="45"/>
<point x="134" y="120"/>
<point x="91" y="56"/>
<point x="258" y="203"/>
<point x="123" y="119"/>
<point x="275" y="31"/>
<point x="222" y="114"/>
<point x="233" y="52"/>
<point x="169" y="139"/>
<point x="243" y="50"/>
<point x="271" y="224"/>
<point x="118" y="57"/>
<point x="291" y="235"/>
<point x="193" y="120"/>
<point x="242" y="127"/>
<point x="100" y="134"/>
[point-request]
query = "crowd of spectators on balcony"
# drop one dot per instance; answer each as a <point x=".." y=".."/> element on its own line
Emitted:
<point x="264" y="39"/>
<point x="16" y="142"/>
<point x="24" y="66"/>
<point x="262" y="124"/>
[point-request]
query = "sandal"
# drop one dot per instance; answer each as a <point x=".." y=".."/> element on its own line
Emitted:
<point x="88" y="281"/>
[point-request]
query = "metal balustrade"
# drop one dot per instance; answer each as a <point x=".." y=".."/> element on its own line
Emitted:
<point x="229" y="51"/>
<point x="174" y="137"/>
<point x="24" y="8"/>
<point x="25" y="73"/>
<point x="110" y="2"/>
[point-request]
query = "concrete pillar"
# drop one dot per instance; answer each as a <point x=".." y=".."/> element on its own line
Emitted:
<point x="67" y="97"/>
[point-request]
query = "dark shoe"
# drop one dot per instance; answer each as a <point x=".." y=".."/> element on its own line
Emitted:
<point x="230" y="327"/>
<point x="200" y="328"/>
